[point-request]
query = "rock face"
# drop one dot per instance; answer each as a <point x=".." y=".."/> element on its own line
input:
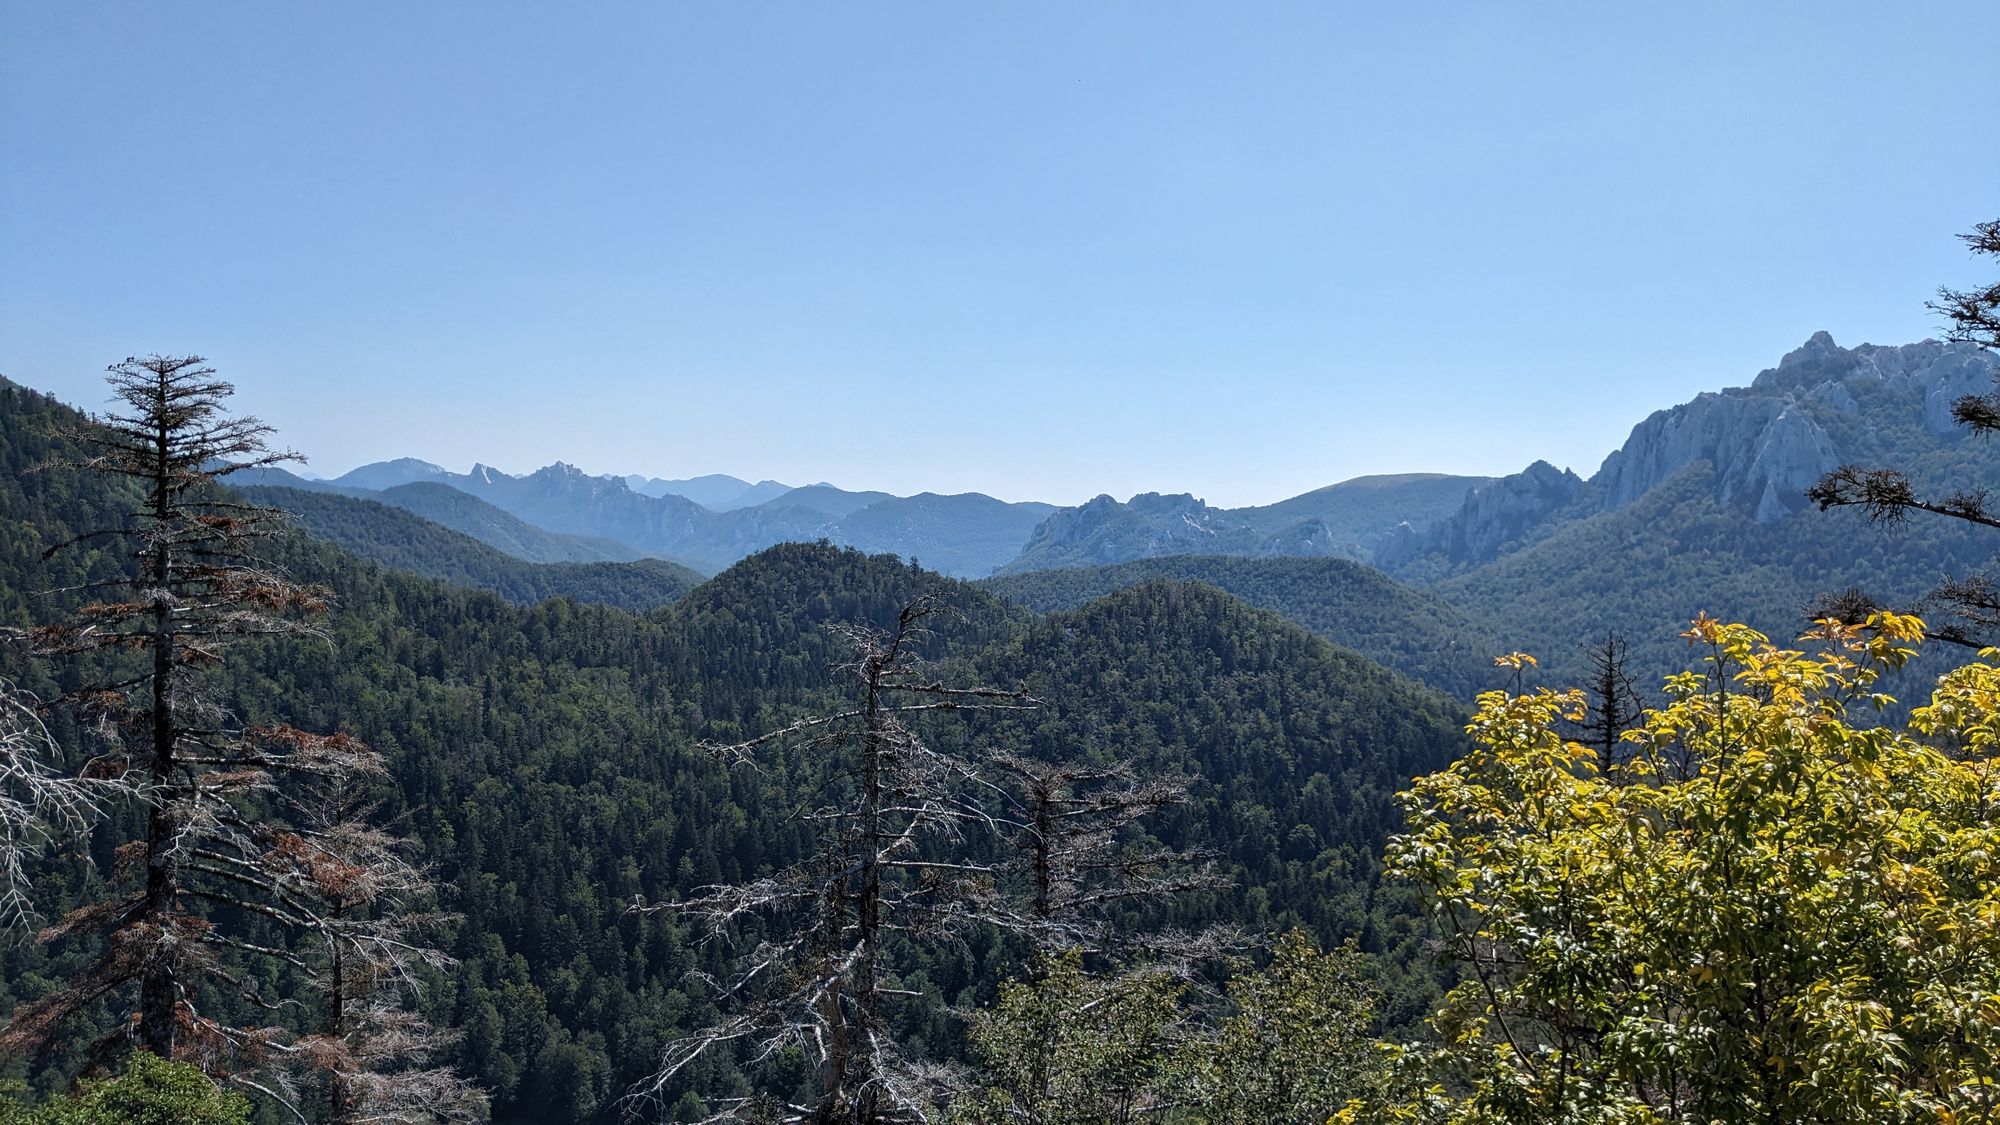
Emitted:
<point x="1941" y="373"/>
<point x="1494" y="517"/>
<point x="1106" y="531"/>
<point x="1766" y="451"/>
<point x="1767" y="444"/>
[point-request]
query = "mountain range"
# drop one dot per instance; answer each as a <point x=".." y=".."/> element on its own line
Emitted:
<point x="1702" y="508"/>
<point x="561" y="514"/>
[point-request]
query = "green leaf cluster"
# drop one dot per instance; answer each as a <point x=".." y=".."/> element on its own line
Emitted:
<point x="1776" y="908"/>
<point x="1291" y="1043"/>
<point x="151" y="1091"/>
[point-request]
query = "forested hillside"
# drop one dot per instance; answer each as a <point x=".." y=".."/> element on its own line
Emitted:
<point x="546" y="758"/>
<point x="401" y="540"/>
<point x="1411" y="630"/>
<point x="1644" y="570"/>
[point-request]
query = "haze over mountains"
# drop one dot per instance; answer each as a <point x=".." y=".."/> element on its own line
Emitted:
<point x="1765" y="442"/>
<point x="560" y="514"/>
<point x="1702" y="508"/>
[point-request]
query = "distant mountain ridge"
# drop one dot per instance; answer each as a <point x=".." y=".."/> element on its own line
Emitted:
<point x="1765" y="444"/>
<point x="399" y="538"/>
<point x="561" y="514"/>
<point x="459" y="511"/>
<point x="717" y="491"/>
<point x="1346" y="520"/>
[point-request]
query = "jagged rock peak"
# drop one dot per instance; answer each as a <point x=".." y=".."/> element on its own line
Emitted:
<point x="1764" y="441"/>
<point x="1494" y="519"/>
<point x="1942" y="373"/>
<point x="1817" y="346"/>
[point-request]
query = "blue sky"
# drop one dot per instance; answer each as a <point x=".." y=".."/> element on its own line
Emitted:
<point x="1036" y="250"/>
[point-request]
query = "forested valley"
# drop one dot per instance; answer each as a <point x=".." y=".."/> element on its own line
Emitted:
<point x="316" y="809"/>
<point x="547" y="762"/>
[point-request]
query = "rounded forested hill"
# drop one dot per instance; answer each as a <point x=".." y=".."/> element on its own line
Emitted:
<point x="1295" y="748"/>
<point x="1358" y="607"/>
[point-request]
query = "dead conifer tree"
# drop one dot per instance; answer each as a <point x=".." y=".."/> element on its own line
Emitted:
<point x="216" y="876"/>
<point x="368" y="1057"/>
<point x="1615" y="704"/>
<point x="889" y="863"/>
<point x="1073" y="866"/>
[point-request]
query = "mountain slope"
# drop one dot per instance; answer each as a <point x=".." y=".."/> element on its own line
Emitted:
<point x="1351" y="519"/>
<point x="1296" y="750"/>
<point x="716" y="491"/>
<point x="450" y="507"/>
<point x="1646" y="569"/>
<point x="1823" y="405"/>
<point x="965" y="535"/>
<point x="1412" y="631"/>
<point x="1703" y="509"/>
<point x="825" y="499"/>
<point x="380" y="475"/>
<point x="397" y="538"/>
<point x="447" y="506"/>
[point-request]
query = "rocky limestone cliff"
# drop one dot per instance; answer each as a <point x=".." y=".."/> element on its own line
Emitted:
<point x="1767" y="443"/>
<point x="1494" y="519"/>
<point x="1105" y="531"/>
<point x="1940" y="373"/>
<point x="1766" y="451"/>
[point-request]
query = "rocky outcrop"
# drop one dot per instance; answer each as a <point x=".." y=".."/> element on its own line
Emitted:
<point x="1494" y="518"/>
<point x="1766" y="444"/>
<point x="1148" y="525"/>
<point x="1766" y="452"/>
<point x="1939" y="373"/>
<point x="1766" y="441"/>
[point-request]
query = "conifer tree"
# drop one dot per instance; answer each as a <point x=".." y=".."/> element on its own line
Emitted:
<point x="369" y="1056"/>
<point x="889" y="863"/>
<point x="1073" y="867"/>
<point x="217" y="876"/>
<point x="1615" y="705"/>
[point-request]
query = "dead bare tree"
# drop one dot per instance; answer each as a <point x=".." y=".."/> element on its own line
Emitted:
<point x="217" y="876"/>
<point x="1615" y="702"/>
<point x="1070" y="857"/>
<point x="890" y="862"/>
<point x="1975" y="313"/>
<point x="368" y="1060"/>
<point x="38" y="804"/>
